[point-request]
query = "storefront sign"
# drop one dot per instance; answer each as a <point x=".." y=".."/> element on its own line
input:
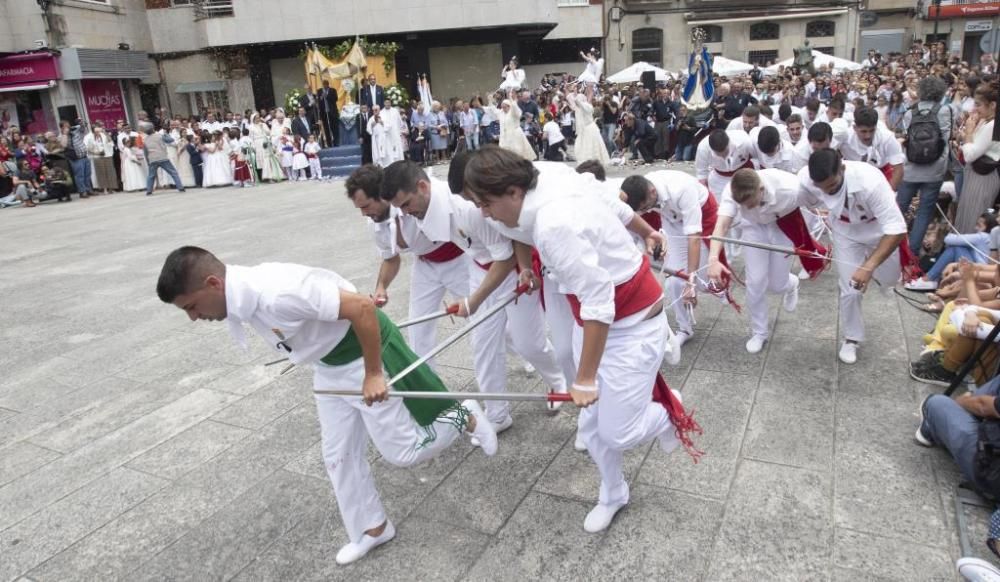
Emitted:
<point x="963" y="10"/>
<point x="27" y="69"/>
<point x="978" y="25"/>
<point x="104" y="100"/>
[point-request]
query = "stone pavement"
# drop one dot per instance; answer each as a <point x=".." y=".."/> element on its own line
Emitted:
<point x="136" y="445"/>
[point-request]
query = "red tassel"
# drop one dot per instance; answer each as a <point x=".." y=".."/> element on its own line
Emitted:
<point x="683" y="421"/>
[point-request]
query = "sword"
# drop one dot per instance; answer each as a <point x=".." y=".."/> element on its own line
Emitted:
<point x="510" y="397"/>
<point x="429" y="317"/>
<point x="665" y="270"/>
<point x="459" y="334"/>
<point x="769" y="247"/>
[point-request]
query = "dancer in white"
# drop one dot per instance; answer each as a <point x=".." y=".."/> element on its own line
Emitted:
<point x="718" y="157"/>
<point x="618" y="304"/>
<point x="511" y="135"/>
<point x="761" y="200"/>
<point x="591" y="75"/>
<point x="589" y="144"/>
<point x="867" y="231"/>
<point x="315" y="316"/>
<point x="443" y="217"/>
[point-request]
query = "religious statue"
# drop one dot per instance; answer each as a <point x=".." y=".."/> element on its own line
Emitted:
<point x="804" y="59"/>
<point x="699" y="88"/>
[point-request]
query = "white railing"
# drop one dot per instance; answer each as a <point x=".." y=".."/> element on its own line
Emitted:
<point x="212" y="8"/>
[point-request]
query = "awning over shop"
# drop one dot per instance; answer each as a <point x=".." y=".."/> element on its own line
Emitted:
<point x="201" y="87"/>
<point x="27" y="86"/>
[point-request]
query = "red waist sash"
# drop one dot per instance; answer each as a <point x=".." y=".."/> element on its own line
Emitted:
<point x="729" y="174"/>
<point x="794" y="227"/>
<point x="443" y="254"/>
<point x="631" y="297"/>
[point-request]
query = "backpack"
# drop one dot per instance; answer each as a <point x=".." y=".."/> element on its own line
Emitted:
<point x="986" y="462"/>
<point x="924" y="141"/>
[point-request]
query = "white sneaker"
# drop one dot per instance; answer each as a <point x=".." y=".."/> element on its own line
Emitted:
<point x="485" y="435"/>
<point x="848" y="353"/>
<point x="976" y="570"/>
<point x="683" y="336"/>
<point x="353" y="552"/>
<point x="756" y="343"/>
<point x="600" y="517"/>
<point x="553" y="407"/>
<point x="921" y="284"/>
<point x="923" y="440"/>
<point x="578" y="444"/>
<point x="791" y="298"/>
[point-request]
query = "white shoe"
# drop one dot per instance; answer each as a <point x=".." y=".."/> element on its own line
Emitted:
<point x="600" y="517"/>
<point x="683" y="336"/>
<point x="485" y="435"/>
<point x="756" y="343"/>
<point x="976" y="570"/>
<point x="353" y="552"/>
<point x="553" y="407"/>
<point x="578" y="444"/>
<point x="791" y="298"/>
<point x="528" y="368"/>
<point x="848" y="353"/>
<point x="921" y="284"/>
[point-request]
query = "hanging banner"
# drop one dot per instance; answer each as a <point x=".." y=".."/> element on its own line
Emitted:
<point x="104" y="100"/>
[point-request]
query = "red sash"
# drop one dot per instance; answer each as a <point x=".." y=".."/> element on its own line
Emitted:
<point x="653" y="218"/>
<point x="729" y="174"/>
<point x="909" y="265"/>
<point x="444" y="253"/>
<point x="887" y="172"/>
<point x="794" y="227"/>
<point x="631" y="297"/>
<point x="709" y="216"/>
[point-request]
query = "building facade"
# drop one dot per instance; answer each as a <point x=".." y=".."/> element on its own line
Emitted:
<point x="756" y="31"/>
<point x="967" y="27"/>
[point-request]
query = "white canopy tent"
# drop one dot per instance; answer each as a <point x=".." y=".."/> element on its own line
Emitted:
<point x="819" y="59"/>
<point x="729" y="67"/>
<point x="633" y="73"/>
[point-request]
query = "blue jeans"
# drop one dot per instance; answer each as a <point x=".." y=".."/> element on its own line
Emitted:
<point x="950" y="255"/>
<point x="951" y="426"/>
<point x="167" y="167"/>
<point x="81" y="175"/>
<point x="609" y="137"/>
<point x="925" y="209"/>
<point x="472" y="139"/>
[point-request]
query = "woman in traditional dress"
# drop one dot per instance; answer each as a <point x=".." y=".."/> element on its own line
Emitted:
<point x="260" y="134"/>
<point x="589" y="144"/>
<point x="133" y="166"/>
<point x="184" y="169"/>
<point x="511" y="136"/>
<point x="438" y="128"/>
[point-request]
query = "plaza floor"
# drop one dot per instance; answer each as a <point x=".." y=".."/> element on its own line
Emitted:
<point x="136" y="445"/>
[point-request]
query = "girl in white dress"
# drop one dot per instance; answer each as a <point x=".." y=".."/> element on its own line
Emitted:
<point x="217" y="167"/>
<point x="184" y="169"/>
<point x="513" y="77"/>
<point x="133" y="166"/>
<point x="588" y="145"/>
<point x="286" y="152"/>
<point x="591" y="75"/>
<point x="511" y="135"/>
<point x="299" y="160"/>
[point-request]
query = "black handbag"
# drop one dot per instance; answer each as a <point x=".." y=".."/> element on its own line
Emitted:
<point x="985" y="165"/>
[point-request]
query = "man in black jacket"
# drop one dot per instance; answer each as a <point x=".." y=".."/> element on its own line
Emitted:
<point x="364" y="137"/>
<point x="301" y="125"/>
<point x="639" y="137"/>
<point x="329" y="115"/>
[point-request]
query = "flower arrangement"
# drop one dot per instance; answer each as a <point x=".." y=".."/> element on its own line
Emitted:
<point x="371" y="48"/>
<point x="397" y="95"/>
<point x="292" y="102"/>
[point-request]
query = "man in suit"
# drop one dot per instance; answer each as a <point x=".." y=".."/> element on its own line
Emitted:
<point x="301" y="125"/>
<point x="329" y="114"/>
<point x="307" y="101"/>
<point x="372" y="94"/>
<point x="363" y="135"/>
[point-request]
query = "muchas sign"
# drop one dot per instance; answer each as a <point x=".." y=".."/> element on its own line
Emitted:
<point x="963" y="10"/>
<point x="26" y="69"/>
<point x="104" y="100"/>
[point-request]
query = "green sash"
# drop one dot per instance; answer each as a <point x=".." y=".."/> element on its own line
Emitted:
<point x="396" y="356"/>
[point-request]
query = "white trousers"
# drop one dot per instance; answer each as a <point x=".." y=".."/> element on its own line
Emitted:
<point x="559" y="316"/>
<point x="677" y="259"/>
<point x="527" y="332"/>
<point x="428" y="284"/>
<point x="625" y="415"/>
<point x="852" y="246"/>
<point x="346" y="425"/>
<point x="766" y="271"/>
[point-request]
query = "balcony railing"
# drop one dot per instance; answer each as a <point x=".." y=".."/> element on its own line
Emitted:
<point x="212" y="8"/>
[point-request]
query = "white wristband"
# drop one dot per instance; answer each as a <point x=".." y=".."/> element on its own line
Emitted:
<point x="582" y="388"/>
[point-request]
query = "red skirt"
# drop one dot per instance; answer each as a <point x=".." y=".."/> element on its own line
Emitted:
<point x="242" y="172"/>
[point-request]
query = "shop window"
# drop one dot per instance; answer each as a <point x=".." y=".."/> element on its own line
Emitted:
<point x="211" y="101"/>
<point x="820" y="28"/>
<point x="647" y="45"/>
<point x="765" y="31"/>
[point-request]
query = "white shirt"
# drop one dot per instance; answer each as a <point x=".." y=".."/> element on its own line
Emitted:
<point x="99" y="146"/>
<point x="740" y="151"/>
<point x="864" y="198"/>
<point x="808" y="121"/>
<point x="287" y="305"/>
<point x="737" y="124"/>
<point x="776" y="117"/>
<point x="782" y="195"/>
<point x="587" y="250"/>
<point x="783" y="159"/>
<point x="451" y="218"/>
<point x="679" y="198"/>
<point x="884" y="150"/>
<point x="400" y="226"/>
<point x="553" y="134"/>
<point x="800" y="155"/>
<point x="982" y="144"/>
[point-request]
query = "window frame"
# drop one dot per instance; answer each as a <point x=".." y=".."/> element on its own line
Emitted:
<point x="823" y="22"/>
<point x="650" y="49"/>
<point x="764" y="26"/>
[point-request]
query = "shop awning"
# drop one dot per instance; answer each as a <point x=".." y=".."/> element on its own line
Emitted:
<point x="27" y="87"/>
<point x="201" y="87"/>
